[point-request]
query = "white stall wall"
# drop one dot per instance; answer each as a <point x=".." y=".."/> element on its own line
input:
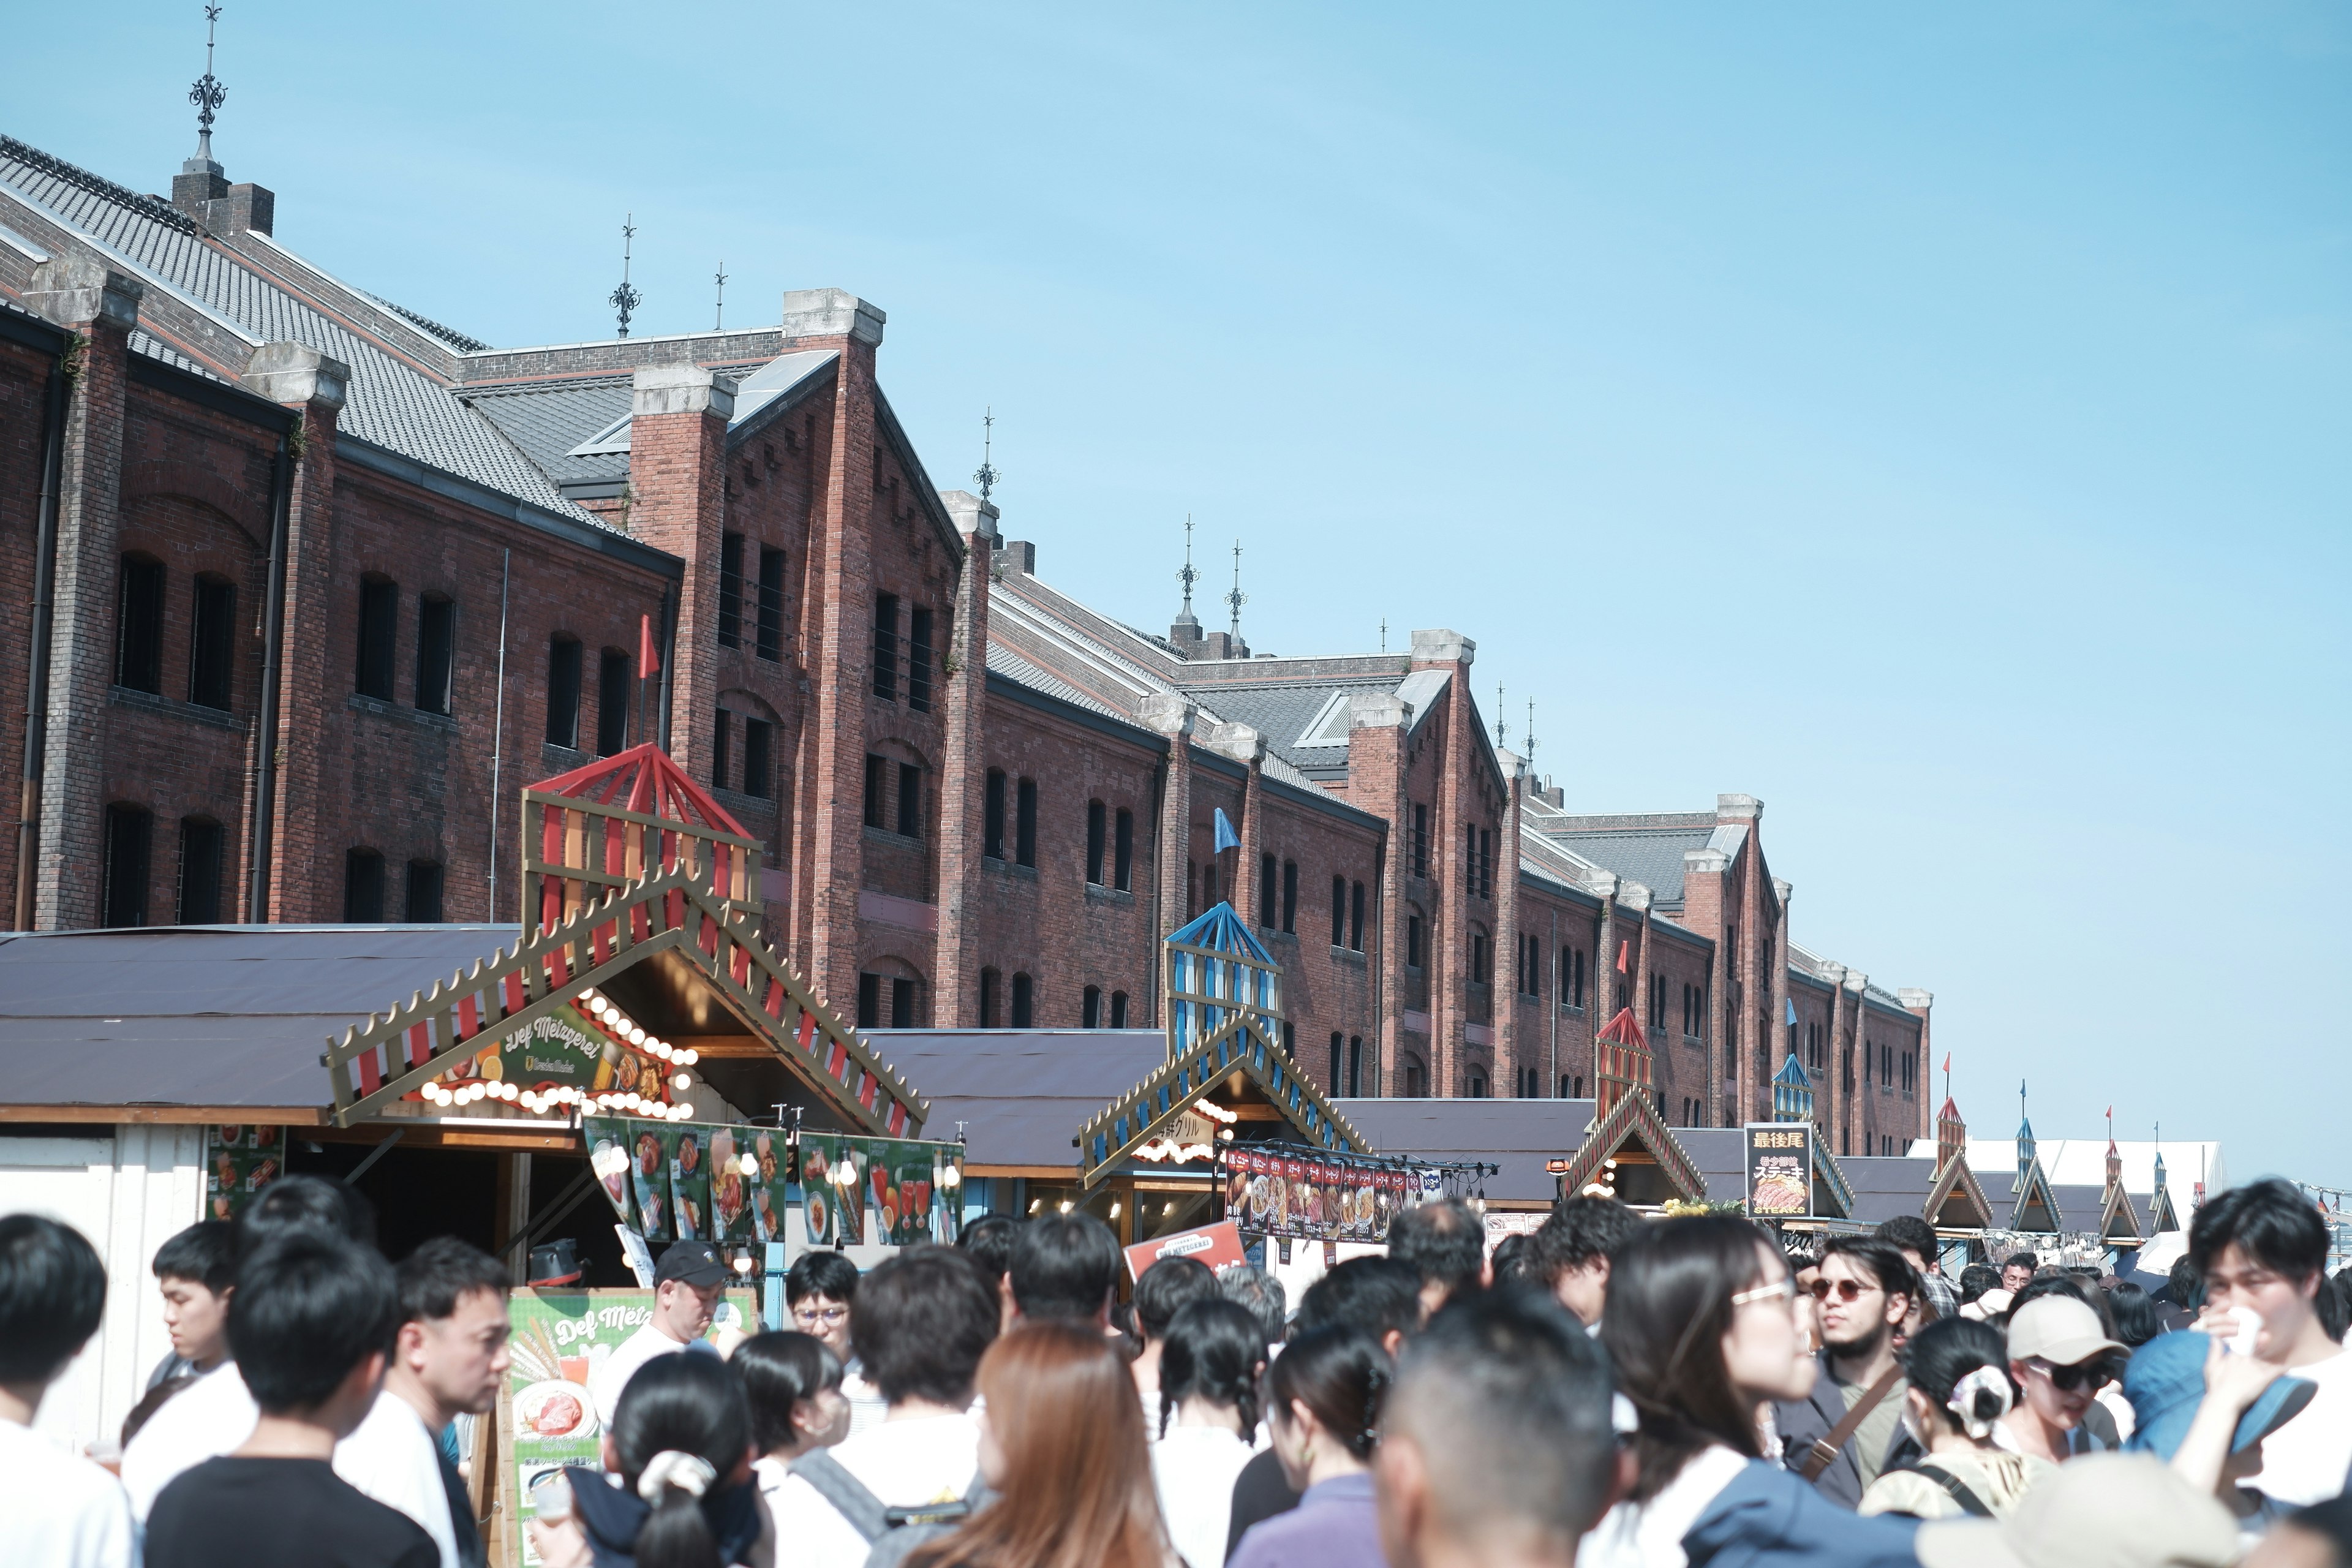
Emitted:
<point x="129" y="1189"/>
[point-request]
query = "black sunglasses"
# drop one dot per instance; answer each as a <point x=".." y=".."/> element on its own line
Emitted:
<point x="2092" y="1374"/>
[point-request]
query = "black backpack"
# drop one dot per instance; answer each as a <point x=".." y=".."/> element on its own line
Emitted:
<point x="891" y="1532"/>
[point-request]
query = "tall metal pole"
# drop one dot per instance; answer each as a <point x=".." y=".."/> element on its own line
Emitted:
<point x="499" y="731"/>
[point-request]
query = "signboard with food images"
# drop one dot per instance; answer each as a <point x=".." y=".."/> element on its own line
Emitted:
<point x="907" y="1186"/>
<point x="1780" y="1169"/>
<point x="547" y="1419"/>
<point x="1268" y="1193"/>
<point x="238" y="1162"/>
<point x="1218" y="1246"/>
<point x="565" y="1056"/>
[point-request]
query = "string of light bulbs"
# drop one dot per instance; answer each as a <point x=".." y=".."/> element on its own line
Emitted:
<point x="620" y="1027"/>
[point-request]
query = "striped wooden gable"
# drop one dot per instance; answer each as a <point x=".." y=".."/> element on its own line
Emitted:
<point x="1956" y="1187"/>
<point x="673" y="909"/>
<point x="1634" y="1120"/>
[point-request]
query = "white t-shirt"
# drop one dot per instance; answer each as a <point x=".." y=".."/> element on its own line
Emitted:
<point x="605" y="1384"/>
<point x="392" y="1457"/>
<point x="866" y="1406"/>
<point x="58" y="1509"/>
<point x="1650" y="1534"/>
<point x="203" y="1421"/>
<point x="2306" y="1461"/>
<point x="907" y="1464"/>
<point x="1195" y="1468"/>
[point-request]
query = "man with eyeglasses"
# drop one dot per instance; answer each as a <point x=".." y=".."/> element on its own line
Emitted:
<point x="818" y="1293"/>
<point x="2060" y="1357"/>
<point x="1849" y="1430"/>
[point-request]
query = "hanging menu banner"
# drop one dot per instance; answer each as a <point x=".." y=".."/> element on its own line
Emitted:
<point x="238" y="1162"/>
<point x="1269" y="1193"/>
<point x="733" y="1184"/>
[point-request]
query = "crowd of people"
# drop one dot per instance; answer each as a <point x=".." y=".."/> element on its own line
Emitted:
<point x="1607" y="1391"/>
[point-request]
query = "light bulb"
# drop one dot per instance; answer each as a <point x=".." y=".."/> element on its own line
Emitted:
<point x="637" y="1036"/>
<point x="680" y="1112"/>
<point x="952" y="1177"/>
<point x="687" y="1058"/>
<point x="751" y="1163"/>
<point x="681" y="1083"/>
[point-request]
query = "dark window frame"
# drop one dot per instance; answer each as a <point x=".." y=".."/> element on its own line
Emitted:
<point x="759" y="758"/>
<point x="378" y="637"/>
<point x="886" y="647"/>
<point x="992" y="815"/>
<point x="1097" y="841"/>
<point x="202" y="846"/>
<point x="138" y="623"/>
<point x="566" y="661"/>
<point x="770" y="645"/>
<point x="129" y="848"/>
<point x="212" y="641"/>
<point x="616" y="676"/>
<point x="908" y="817"/>
<point x="436" y="653"/>
<point x="1025" y="824"/>
<point x="1123" y="850"/>
<point x="730" y="589"/>
<point x="919" y="660"/>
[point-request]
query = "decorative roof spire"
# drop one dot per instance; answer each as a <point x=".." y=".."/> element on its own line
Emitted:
<point x="1237" y="599"/>
<point x="207" y="94"/>
<point x="718" y="316"/>
<point x="1528" y="746"/>
<point x="625" y="299"/>
<point x="1502" y="725"/>
<point x="985" y="476"/>
<point x="1384" y="634"/>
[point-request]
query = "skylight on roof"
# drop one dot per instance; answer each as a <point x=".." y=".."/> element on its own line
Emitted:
<point x="1329" y="725"/>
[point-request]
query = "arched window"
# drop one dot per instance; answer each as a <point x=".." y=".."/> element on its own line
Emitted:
<point x="1416" y="1081"/>
<point x="1118" y="1009"/>
<point x="363" y="887"/>
<point x="1290" y="897"/>
<point x="139" y="625"/>
<point x="1267" y="892"/>
<point x="614" y="678"/>
<point x="130" y="835"/>
<point x="1477" y="1084"/>
<point x="1356" y="920"/>
<point x="1339" y="911"/>
<point x="990" y="984"/>
<point x="1331" y="1084"/>
<point x="1090" y="1008"/>
<point x="564" y="691"/>
<point x="1025" y="824"/>
<point x="1123" y="851"/>
<point x="212" y="647"/>
<point x="1355" y="1065"/>
<point x="378" y="629"/>
<point x="1025" y="1013"/>
<point x="437" y="652"/>
<point x="1097" y="841"/>
<point x="199" y="871"/>
<point x="991" y="819"/>
<point x="1412" y="941"/>
<point x="1564" y="1080"/>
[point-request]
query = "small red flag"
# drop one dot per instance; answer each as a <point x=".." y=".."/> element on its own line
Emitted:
<point x="1948" y="1061"/>
<point x="1623" y="949"/>
<point x="648" y="660"/>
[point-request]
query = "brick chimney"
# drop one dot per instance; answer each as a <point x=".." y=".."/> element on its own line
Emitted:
<point x="202" y="191"/>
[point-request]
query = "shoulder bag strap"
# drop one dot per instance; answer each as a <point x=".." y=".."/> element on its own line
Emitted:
<point x="1825" y="1450"/>
<point x="849" y="1496"/>
<point x="1958" y="1490"/>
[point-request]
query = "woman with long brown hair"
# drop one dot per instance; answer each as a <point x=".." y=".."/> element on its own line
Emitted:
<point x="1061" y="1446"/>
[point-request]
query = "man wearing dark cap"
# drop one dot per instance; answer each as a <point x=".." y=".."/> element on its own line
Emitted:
<point x="688" y="1283"/>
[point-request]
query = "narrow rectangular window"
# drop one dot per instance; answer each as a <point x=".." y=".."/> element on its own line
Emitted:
<point x="759" y="776"/>
<point x="613" y="683"/>
<point x="988" y="988"/>
<point x="424" y="900"/>
<point x="1331" y="1084"/>
<point x="379" y="612"/>
<point x="772" y="604"/>
<point x="886" y="647"/>
<point x="139" y="625"/>
<point x="1356" y="919"/>
<point x="902" y="1002"/>
<point x="130" y="835"/>
<point x="992" y="818"/>
<point x="1025" y="1002"/>
<point x="869" y="1001"/>
<point x="919" y="660"/>
<point x="1339" y="911"/>
<point x="722" y="736"/>
<point x="363" y="887"/>
<point x="1290" y="897"/>
<point x="1412" y="941"/>
<point x="1123" y="851"/>
<point x="1025" y="824"/>
<point x="731" y="590"/>
<point x="1267" y="892"/>
<point x="1090" y="1008"/>
<point x="1118" y="1009"/>
<point x="212" y="650"/>
<point x="878" y="789"/>
<point x="437" y="652"/>
<point x="563" y="692"/>
<point x="910" y="800"/>
<point x="1355" y="1066"/>
<point x="199" y="871"/>
<point x="1420" y="841"/>
<point x="1097" y="841"/>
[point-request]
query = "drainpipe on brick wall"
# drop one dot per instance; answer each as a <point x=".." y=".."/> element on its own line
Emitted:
<point x="265" y="722"/>
<point x="36" y="683"/>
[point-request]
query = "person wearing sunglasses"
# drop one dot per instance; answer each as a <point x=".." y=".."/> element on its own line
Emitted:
<point x="2061" y="1356"/>
<point x="1848" y="1430"/>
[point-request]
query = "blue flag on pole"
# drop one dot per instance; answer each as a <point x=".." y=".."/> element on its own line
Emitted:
<point x="1790" y="1002"/>
<point x="1226" y="837"/>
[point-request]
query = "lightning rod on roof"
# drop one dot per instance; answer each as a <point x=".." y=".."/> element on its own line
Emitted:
<point x="986" y="475"/>
<point x="1502" y="725"/>
<point x="1187" y="576"/>
<point x="1384" y="634"/>
<point x="207" y="94"/>
<point x="1530" y="746"/>
<point x="718" y="316"/>
<point x="1237" y="599"/>
<point x="625" y="298"/>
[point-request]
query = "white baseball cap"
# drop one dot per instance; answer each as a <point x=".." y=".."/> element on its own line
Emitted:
<point x="2060" y="1330"/>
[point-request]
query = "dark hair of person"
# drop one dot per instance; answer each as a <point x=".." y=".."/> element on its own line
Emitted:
<point x="779" y="1370"/>
<point x="309" y="1307"/>
<point x="1976" y="1280"/>
<point x="2333" y="1306"/>
<point x="444" y="1271"/>
<point x="1444" y="1242"/>
<point x="1910" y="1231"/>
<point x="1889" y="1268"/>
<point x="1262" y="1294"/>
<point x="1510" y="1260"/>
<point x="1166" y="1287"/>
<point x="291" y="1204"/>
<point x="1212" y="1348"/>
<point x="1128" y="1340"/>
<point x="1373" y="1296"/>
<point x="1577" y="1231"/>
<point x="1063" y="1266"/>
<point x="988" y="1241"/>
<point x="1341" y="1374"/>
<point x="922" y="1321"/>
<point x="821" y="1273"/>
<point x="52" y="1295"/>
<point x="2186" y="1284"/>
<point x="1670" y="1291"/>
<point x="1508" y="1399"/>
<point x="694" y="1404"/>
<point x="205" y="1252"/>
<point x="1937" y="1357"/>
<point x="2061" y="1283"/>
<point x="2134" y="1313"/>
<point x="2269" y="1221"/>
<point x="2020" y="1261"/>
<point x="155" y="1398"/>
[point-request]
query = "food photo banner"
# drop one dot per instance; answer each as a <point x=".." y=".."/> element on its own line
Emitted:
<point x="1314" y="1198"/>
<point x="1780" y="1170"/>
<point x="672" y="1181"/>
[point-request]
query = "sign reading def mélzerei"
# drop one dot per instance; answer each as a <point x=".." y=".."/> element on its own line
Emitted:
<point x="1780" y="1170"/>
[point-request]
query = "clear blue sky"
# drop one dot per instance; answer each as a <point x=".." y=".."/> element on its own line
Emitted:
<point x="1934" y="423"/>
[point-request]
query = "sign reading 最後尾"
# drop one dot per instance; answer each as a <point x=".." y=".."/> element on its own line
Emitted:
<point x="1780" y="1169"/>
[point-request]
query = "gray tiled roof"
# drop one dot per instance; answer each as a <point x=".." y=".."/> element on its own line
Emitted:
<point x="1013" y="667"/>
<point x="389" y="403"/>
<point x="156" y="349"/>
<point x="547" y="418"/>
<point x="1885" y="1185"/>
<point x="1281" y="713"/>
<point x="1650" y="855"/>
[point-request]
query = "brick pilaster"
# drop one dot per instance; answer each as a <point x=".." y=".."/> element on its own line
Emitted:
<point x="1637" y="897"/>
<point x="1600" y="982"/>
<point x="1376" y="782"/>
<point x="1918" y="1004"/>
<point x="678" y="503"/>
<point x="955" y="989"/>
<point x="1856" y="984"/>
<point x="1781" y="1044"/>
<point x="1505" y="986"/>
<point x="1448" y="954"/>
<point x="1247" y="747"/>
<point x="101" y="306"/>
<point x="1172" y="716"/>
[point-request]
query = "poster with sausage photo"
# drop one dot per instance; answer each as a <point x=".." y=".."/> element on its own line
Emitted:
<point x="238" y="1162"/>
<point x="689" y="1183"/>
<point x="730" y="1190"/>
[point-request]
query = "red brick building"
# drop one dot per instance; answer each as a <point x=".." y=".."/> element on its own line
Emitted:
<point x="304" y="587"/>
